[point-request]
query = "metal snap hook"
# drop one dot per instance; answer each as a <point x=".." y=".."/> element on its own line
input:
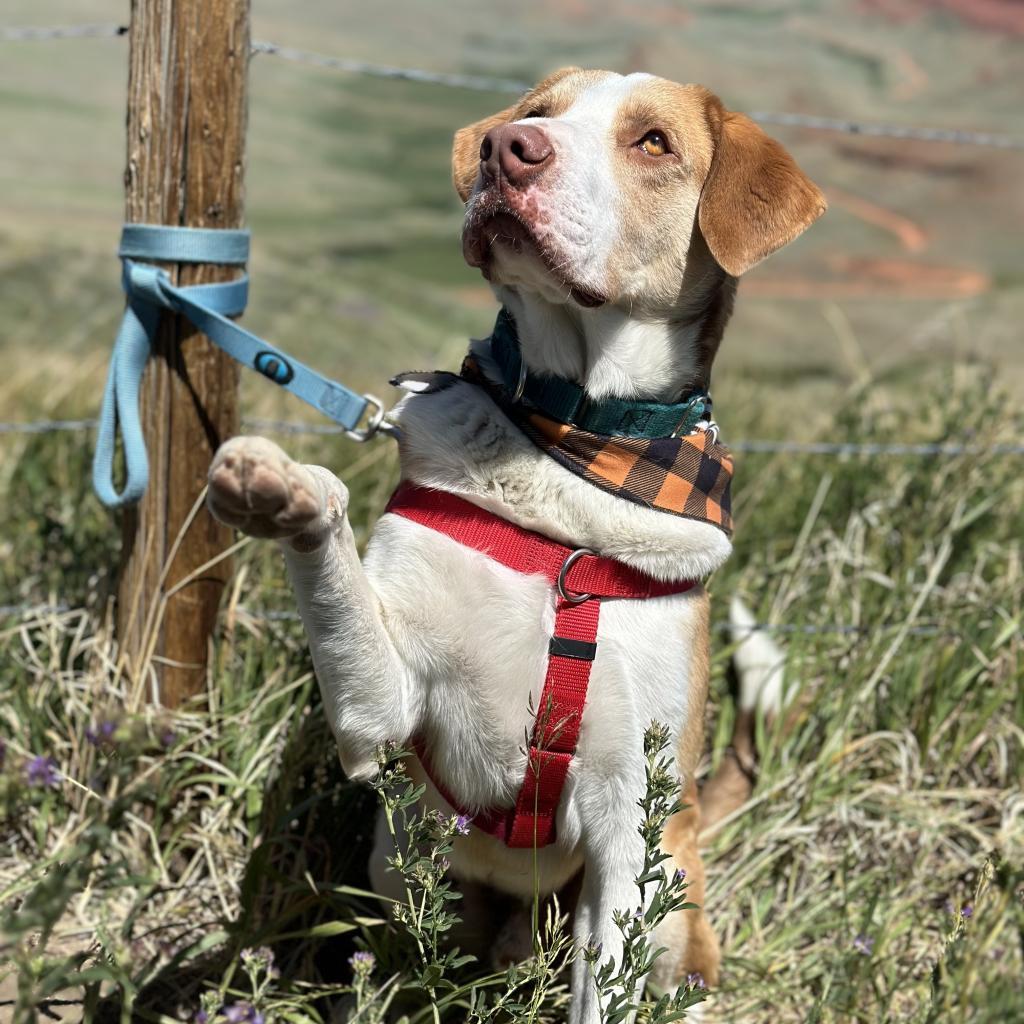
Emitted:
<point x="374" y="424"/>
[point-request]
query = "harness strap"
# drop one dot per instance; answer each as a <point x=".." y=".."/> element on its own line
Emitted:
<point x="525" y="550"/>
<point x="582" y="580"/>
<point x="556" y="730"/>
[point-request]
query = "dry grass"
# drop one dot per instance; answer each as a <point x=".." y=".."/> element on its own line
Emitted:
<point x="892" y="800"/>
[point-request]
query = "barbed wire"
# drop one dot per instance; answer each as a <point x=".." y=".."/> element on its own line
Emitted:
<point x="30" y="611"/>
<point x="752" y="447"/>
<point x="847" y="126"/>
<point x="480" y="83"/>
<point x="25" y="33"/>
<point x="871" y="448"/>
<point x="957" y="136"/>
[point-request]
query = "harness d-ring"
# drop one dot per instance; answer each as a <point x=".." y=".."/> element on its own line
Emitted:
<point x="570" y="561"/>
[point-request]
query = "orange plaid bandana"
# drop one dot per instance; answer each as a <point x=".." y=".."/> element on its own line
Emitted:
<point x="687" y="476"/>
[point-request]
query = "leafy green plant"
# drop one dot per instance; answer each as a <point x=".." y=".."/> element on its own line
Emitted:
<point x="422" y="843"/>
<point x="620" y="984"/>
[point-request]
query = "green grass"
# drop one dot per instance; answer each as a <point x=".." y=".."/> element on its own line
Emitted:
<point x="141" y="877"/>
<point x="895" y="791"/>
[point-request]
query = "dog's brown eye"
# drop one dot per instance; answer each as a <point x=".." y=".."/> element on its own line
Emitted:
<point x="654" y="144"/>
<point x="532" y="113"/>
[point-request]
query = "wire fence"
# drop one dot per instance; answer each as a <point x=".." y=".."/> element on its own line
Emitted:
<point x="848" y="126"/>
<point x="478" y="82"/>
<point x="484" y="83"/>
<point x="34" y="33"/>
<point x="30" y="613"/>
<point x="755" y="447"/>
<point x="48" y="426"/>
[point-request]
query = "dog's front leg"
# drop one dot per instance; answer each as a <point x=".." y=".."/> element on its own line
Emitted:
<point x="614" y="855"/>
<point x="368" y="695"/>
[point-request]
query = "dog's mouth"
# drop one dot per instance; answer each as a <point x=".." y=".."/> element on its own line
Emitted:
<point x="492" y="222"/>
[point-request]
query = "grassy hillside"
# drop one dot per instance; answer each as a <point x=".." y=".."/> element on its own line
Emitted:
<point x="356" y="261"/>
<point x="165" y="848"/>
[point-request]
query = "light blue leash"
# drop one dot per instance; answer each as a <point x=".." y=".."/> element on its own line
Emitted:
<point x="207" y="306"/>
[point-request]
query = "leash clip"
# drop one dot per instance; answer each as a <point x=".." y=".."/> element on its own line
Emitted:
<point x="570" y="561"/>
<point x="374" y="425"/>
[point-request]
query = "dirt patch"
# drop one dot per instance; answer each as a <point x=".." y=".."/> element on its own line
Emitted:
<point x="863" y="277"/>
<point x="911" y="236"/>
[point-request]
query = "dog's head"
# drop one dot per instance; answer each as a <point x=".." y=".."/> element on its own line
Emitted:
<point x="599" y="189"/>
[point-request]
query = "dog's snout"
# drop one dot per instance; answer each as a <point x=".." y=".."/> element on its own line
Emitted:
<point x="516" y="152"/>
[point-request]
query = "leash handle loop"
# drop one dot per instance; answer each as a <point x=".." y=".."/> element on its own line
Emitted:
<point x="150" y="291"/>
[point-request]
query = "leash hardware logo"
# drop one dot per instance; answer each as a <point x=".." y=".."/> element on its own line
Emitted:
<point x="274" y="367"/>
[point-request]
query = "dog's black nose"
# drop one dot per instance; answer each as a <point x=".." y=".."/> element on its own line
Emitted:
<point x="518" y="152"/>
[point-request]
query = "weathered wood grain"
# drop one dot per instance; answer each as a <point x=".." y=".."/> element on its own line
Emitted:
<point x="187" y="108"/>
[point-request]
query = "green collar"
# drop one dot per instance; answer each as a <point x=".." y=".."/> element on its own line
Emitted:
<point x="562" y="400"/>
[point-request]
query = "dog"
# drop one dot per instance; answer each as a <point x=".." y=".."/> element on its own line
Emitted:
<point x="611" y="216"/>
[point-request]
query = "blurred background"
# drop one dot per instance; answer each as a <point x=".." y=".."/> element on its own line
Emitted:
<point x="357" y="266"/>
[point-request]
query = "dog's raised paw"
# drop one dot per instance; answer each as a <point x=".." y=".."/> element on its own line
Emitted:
<point x="256" y="488"/>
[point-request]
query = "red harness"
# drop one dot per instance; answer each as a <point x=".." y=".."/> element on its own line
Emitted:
<point x="582" y="580"/>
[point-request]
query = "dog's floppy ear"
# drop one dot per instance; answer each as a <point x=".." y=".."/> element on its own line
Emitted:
<point x="755" y="199"/>
<point x="466" y="148"/>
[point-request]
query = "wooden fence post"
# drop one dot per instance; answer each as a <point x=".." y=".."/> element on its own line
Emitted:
<point x="187" y="108"/>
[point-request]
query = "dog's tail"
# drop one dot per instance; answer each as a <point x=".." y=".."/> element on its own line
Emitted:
<point x="759" y="664"/>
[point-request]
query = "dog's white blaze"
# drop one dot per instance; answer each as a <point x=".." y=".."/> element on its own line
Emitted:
<point x="581" y="199"/>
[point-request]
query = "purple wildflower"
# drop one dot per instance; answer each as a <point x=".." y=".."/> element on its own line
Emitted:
<point x="239" y="1013"/>
<point x="680" y="874"/>
<point x="966" y="911"/>
<point x="167" y="737"/>
<point x="695" y="980"/>
<point x="362" y="962"/>
<point x="101" y="732"/>
<point x="42" y="771"/>
<point x="201" y="1017"/>
<point x="864" y="944"/>
<point x="462" y="825"/>
<point x="3" y="752"/>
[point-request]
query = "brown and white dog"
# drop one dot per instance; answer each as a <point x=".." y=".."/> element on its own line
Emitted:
<point x="611" y="215"/>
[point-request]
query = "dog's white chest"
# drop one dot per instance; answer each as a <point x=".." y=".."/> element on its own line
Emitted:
<point x="475" y="636"/>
